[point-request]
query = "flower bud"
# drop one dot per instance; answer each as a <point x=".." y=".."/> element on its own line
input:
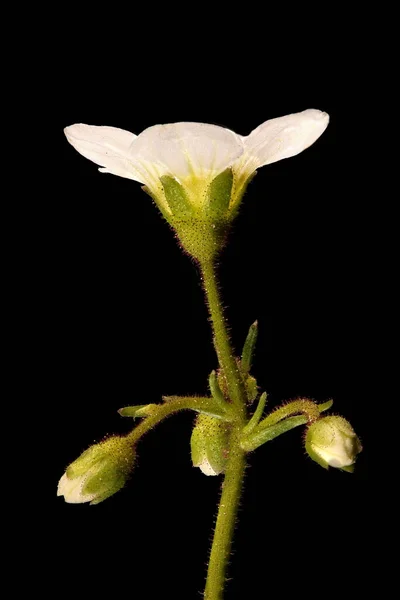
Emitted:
<point x="332" y="442"/>
<point x="209" y="444"/>
<point x="99" y="472"/>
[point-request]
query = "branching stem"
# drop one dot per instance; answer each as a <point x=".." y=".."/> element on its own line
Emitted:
<point x="236" y="464"/>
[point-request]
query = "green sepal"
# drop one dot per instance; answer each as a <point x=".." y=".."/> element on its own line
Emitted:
<point x="110" y="478"/>
<point x="157" y="202"/>
<point x="219" y="195"/>
<point x="313" y="455"/>
<point x="142" y="410"/>
<point x="82" y="464"/>
<point x="349" y="469"/>
<point x="237" y="195"/>
<point x="248" y="348"/>
<point x="176" y="197"/>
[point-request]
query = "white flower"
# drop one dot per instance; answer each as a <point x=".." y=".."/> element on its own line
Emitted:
<point x="332" y="442"/>
<point x="195" y="153"/>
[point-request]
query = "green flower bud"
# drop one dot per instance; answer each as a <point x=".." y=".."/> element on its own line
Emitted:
<point x="99" y="472"/>
<point x="251" y="388"/>
<point x="209" y="444"/>
<point x="332" y="442"/>
<point x="250" y="383"/>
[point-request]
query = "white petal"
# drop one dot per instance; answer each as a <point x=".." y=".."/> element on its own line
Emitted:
<point x="105" y="146"/>
<point x="184" y="149"/>
<point x="284" y="137"/>
<point x="335" y="456"/>
<point x="339" y="452"/>
<point x="71" y="489"/>
<point x="62" y="485"/>
<point x="206" y="468"/>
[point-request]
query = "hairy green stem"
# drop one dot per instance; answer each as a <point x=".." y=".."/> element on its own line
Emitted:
<point x="227" y="512"/>
<point x="303" y="405"/>
<point x="172" y="406"/>
<point x="236" y="464"/>
<point x="226" y="358"/>
<point x="280" y="422"/>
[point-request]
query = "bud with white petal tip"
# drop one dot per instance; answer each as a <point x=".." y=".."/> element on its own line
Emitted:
<point x="99" y="472"/>
<point x="209" y="444"/>
<point x="332" y="442"/>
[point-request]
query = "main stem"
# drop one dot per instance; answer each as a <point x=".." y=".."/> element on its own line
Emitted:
<point x="236" y="463"/>
<point x="227" y="513"/>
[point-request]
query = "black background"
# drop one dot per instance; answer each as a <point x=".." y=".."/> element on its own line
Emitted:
<point x="126" y="324"/>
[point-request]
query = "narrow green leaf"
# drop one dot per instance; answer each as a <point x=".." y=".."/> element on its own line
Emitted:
<point x="255" y="419"/>
<point x="258" y="438"/>
<point x="253" y="437"/>
<point x="325" y="406"/>
<point x="142" y="410"/>
<point x="216" y="390"/>
<point x="248" y="348"/>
